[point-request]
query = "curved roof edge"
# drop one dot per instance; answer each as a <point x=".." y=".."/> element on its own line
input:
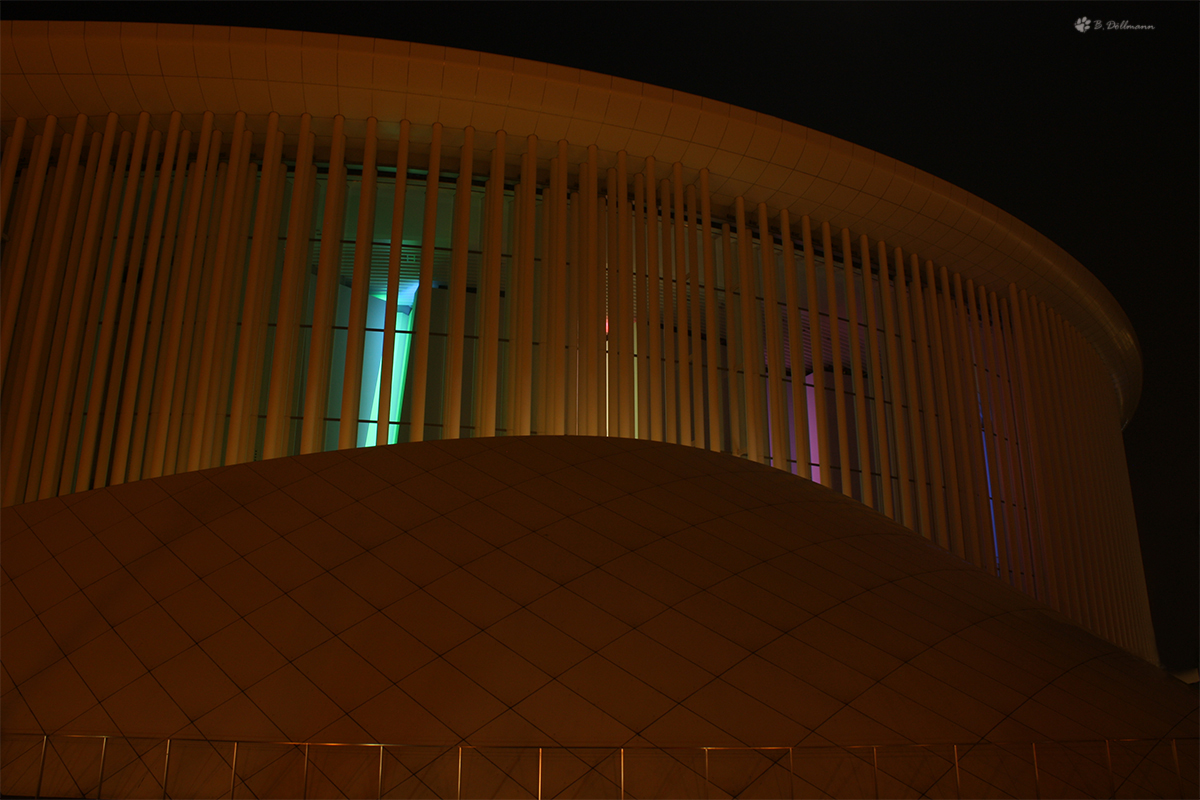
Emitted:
<point x="68" y="68"/>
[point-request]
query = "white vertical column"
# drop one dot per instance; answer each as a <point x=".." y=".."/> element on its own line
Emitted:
<point x="8" y="172"/>
<point x="972" y="425"/>
<point x="489" y="294"/>
<point x="591" y="341"/>
<point x="696" y="344"/>
<point x="211" y="329"/>
<point x="686" y="435"/>
<point x="932" y="451"/>
<point x="951" y="501"/>
<point x="423" y="310"/>
<point x="329" y="265"/>
<point x="641" y="284"/>
<point x="777" y="411"/>
<point x="179" y="433"/>
<point x="169" y="258"/>
<point x="985" y="373"/>
<point x="733" y="350"/>
<point x="712" y="330"/>
<point x="169" y="360"/>
<point x="525" y="291"/>
<point x="560" y="303"/>
<point x="452" y="399"/>
<point x="751" y="351"/>
<point x="964" y="461"/>
<point x="835" y="352"/>
<point x="103" y="365"/>
<point x="816" y="352"/>
<point x="800" y="434"/>
<point x="924" y="520"/>
<point x="613" y="313"/>
<point x="1006" y="451"/>
<point x="16" y="477"/>
<point x="880" y="408"/>
<point x="577" y="313"/>
<point x="121" y="342"/>
<point x="36" y="173"/>
<point x="231" y="296"/>
<point x="627" y="313"/>
<point x="654" y="335"/>
<point x="291" y="287"/>
<point x="91" y="202"/>
<point x="259" y="271"/>
<point x="857" y="387"/>
<point x="356" y="329"/>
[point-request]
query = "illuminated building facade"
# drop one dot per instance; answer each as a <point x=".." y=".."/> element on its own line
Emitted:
<point x="227" y="245"/>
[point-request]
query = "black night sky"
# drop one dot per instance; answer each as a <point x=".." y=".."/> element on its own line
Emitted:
<point x="1090" y="138"/>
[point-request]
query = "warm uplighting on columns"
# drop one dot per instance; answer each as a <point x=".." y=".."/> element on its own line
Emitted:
<point x="82" y="259"/>
<point x="292" y="285"/>
<point x="241" y="410"/>
<point x="205" y="390"/>
<point x="16" y="476"/>
<point x="679" y="262"/>
<point x="733" y="352"/>
<point x="816" y="352"/>
<point x="456" y="328"/>
<point x="898" y="426"/>
<point x="36" y="175"/>
<point x="695" y="327"/>
<point x="712" y="332"/>
<point x="751" y="350"/>
<point x="800" y="433"/>
<point x="776" y="405"/>
<point x="356" y="330"/>
<point x="523" y="291"/>
<point x="423" y="309"/>
<point x="625" y="323"/>
<point x="387" y="364"/>
<point x="857" y="389"/>
<point x="930" y="454"/>
<point x="945" y="414"/>
<point x="880" y="408"/>
<point x="320" y="350"/>
<point x="653" y="317"/>
<point x="488" y="294"/>
<point x="835" y="358"/>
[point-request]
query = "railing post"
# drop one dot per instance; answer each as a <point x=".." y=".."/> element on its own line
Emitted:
<point x="539" y="773"/>
<point x="166" y="766"/>
<point x="1037" y="778"/>
<point x="957" y="776"/>
<point x="41" y="767"/>
<point x="380" y="795"/>
<point x="233" y="771"/>
<point x="304" y="791"/>
<point x="875" y="762"/>
<point x="458" y="792"/>
<point x="706" y="773"/>
<point x="1178" y="774"/>
<point x="1112" y="785"/>
<point x="622" y="773"/>
<point x="792" y="773"/>
<point x="100" y="780"/>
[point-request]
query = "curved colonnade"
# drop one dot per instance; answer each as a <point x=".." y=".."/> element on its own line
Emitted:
<point x="185" y="289"/>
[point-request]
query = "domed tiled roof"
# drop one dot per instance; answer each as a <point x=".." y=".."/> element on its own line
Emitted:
<point x="551" y="592"/>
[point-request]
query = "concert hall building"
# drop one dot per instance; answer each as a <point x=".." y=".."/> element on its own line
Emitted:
<point x="390" y="420"/>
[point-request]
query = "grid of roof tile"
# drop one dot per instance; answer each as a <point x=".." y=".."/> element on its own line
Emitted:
<point x="553" y="592"/>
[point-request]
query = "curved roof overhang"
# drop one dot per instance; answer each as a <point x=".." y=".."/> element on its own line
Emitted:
<point x="68" y="68"/>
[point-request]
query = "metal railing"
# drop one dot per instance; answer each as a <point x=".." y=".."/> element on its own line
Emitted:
<point x="93" y="766"/>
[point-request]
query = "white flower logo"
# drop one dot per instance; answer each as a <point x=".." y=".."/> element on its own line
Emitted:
<point x="1082" y="24"/>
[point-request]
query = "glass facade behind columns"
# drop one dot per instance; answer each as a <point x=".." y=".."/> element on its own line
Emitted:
<point x="562" y="307"/>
